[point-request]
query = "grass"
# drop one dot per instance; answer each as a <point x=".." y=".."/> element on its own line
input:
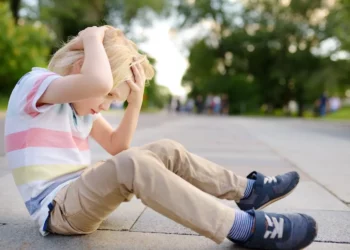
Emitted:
<point x="342" y="114"/>
<point x="3" y="103"/>
<point x="151" y="110"/>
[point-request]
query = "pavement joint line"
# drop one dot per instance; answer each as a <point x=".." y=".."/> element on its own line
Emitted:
<point x="113" y="230"/>
<point x="150" y="232"/>
<point x="197" y="235"/>
<point x="334" y="242"/>
<point x="138" y="218"/>
<point x="296" y="166"/>
<point x="146" y="232"/>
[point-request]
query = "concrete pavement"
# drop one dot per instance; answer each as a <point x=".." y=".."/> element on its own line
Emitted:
<point x="317" y="150"/>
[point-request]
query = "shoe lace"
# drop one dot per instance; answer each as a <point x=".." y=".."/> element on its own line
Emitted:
<point x="277" y="227"/>
<point x="270" y="179"/>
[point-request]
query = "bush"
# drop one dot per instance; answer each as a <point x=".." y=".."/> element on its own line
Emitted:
<point x="22" y="47"/>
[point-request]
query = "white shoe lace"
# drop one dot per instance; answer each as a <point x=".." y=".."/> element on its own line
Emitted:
<point x="278" y="227"/>
<point x="270" y="179"/>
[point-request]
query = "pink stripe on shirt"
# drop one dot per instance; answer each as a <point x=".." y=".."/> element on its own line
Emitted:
<point x="30" y="98"/>
<point x="40" y="137"/>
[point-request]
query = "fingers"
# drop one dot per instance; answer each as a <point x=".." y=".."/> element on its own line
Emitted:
<point x="93" y="31"/>
<point x="103" y="28"/>
<point x="77" y="44"/>
<point x="138" y="72"/>
<point x="140" y="68"/>
<point x="133" y="86"/>
<point x="135" y="71"/>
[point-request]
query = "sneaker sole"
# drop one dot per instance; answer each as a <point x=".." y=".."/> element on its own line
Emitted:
<point x="277" y="199"/>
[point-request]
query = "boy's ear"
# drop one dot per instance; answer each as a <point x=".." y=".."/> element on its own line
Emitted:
<point x="80" y="62"/>
<point x="77" y="66"/>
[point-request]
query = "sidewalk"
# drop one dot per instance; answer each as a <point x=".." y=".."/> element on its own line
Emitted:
<point x="319" y="152"/>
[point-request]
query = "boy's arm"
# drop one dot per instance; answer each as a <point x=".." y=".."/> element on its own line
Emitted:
<point x="115" y="141"/>
<point x="95" y="78"/>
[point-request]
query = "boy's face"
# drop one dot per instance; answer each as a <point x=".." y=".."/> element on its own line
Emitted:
<point x="98" y="104"/>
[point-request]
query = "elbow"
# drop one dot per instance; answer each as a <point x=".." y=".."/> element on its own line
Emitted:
<point x="119" y="149"/>
<point x="103" y="85"/>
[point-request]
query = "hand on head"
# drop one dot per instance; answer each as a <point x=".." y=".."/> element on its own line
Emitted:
<point x="88" y="33"/>
<point x="137" y="86"/>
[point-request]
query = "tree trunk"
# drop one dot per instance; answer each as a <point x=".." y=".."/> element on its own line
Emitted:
<point x="15" y="4"/>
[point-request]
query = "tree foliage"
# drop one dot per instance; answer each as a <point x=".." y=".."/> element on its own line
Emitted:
<point x="260" y="52"/>
<point x="21" y="47"/>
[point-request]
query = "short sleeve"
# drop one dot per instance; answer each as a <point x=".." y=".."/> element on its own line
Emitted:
<point x="36" y="85"/>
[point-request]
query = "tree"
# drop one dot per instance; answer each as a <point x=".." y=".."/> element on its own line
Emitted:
<point x="270" y="42"/>
<point x="15" y="6"/>
<point x="22" y="47"/>
<point x="66" y="18"/>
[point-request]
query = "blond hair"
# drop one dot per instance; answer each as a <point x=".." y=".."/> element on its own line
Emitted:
<point x="120" y="52"/>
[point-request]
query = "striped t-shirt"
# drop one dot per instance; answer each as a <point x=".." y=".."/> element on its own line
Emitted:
<point x="47" y="146"/>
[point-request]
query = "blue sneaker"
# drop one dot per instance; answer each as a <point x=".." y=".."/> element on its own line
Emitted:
<point x="267" y="190"/>
<point x="280" y="231"/>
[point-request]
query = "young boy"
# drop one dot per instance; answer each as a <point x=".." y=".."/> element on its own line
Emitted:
<point x="52" y="112"/>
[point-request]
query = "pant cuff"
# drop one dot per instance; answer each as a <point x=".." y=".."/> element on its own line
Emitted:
<point x="226" y="224"/>
<point x="241" y="187"/>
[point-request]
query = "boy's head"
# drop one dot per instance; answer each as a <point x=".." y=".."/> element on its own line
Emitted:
<point x="120" y="52"/>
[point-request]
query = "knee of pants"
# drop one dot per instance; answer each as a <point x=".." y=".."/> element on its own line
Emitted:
<point x="134" y="167"/>
<point x="166" y="146"/>
<point x="125" y="159"/>
<point x="125" y="164"/>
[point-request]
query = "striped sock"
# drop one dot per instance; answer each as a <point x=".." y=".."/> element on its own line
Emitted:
<point x="242" y="227"/>
<point x="249" y="188"/>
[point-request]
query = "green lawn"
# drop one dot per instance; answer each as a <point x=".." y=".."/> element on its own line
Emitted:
<point x="3" y="103"/>
<point x="342" y="114"/>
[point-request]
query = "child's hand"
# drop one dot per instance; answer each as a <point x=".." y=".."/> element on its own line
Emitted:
<point x="88" y="33"/>
<point x="138" y="86"/>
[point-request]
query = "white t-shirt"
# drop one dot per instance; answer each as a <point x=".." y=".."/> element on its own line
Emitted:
<point x="47" y="147"/>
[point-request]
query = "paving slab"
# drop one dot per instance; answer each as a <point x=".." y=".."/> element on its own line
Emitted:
<point x="309" y="195"/>
<point x="106" y="240"/>
<point x="152" y="222"/>
<point x="227" y="147"/>
<point x="334" y="226"/>
<point x="270" y="146"/>
<point x="328" y="246"/>
<point x="12" y="208"/>
<point x="3" y="167"/>
<point x="248" y="161"/>
<point x="239" y="155"/>
<point x="318" y="148"/>
<point x="125" y="216"/>
<point x="13" y="211"/>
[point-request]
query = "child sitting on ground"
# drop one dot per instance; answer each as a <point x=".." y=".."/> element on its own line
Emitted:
<point x="51" y="114"/>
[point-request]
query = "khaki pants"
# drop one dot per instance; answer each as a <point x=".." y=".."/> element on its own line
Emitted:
<point x="165" y="176"/>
